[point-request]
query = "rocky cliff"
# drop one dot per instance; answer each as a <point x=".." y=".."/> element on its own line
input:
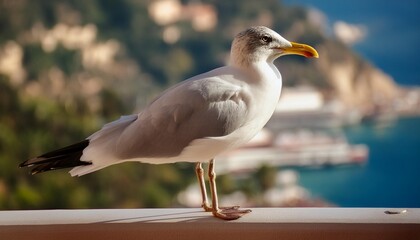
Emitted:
<point x="356" y="82"/>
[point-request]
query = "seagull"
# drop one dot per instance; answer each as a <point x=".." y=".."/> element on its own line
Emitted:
<point x="193" y="121"/>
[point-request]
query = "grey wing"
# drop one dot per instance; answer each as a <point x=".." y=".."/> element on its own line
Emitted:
<point x="192" y="110"/>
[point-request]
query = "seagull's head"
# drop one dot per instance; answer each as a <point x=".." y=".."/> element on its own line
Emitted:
<point x="263" y="44"/>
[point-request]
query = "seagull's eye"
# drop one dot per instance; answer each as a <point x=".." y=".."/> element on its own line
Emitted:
<point x="266" y="39"/>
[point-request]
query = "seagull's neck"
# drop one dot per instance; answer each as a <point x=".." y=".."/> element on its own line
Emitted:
<point x="259" y="71"/>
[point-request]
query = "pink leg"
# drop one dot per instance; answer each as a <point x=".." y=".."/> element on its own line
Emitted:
<point x="223" y="213"/>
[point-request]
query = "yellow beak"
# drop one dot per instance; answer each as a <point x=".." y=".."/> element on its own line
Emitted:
<point x="301" y="49"/>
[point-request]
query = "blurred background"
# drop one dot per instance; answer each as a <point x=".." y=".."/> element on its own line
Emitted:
<point x="345" y="132"/>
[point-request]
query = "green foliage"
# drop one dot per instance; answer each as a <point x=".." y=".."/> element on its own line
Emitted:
<point x="266" y="177"/>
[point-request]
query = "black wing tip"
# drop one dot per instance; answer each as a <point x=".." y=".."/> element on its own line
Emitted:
<point x="30" y="162"/>
<point x="48" y="167"/>
<point x="61" y="158"/>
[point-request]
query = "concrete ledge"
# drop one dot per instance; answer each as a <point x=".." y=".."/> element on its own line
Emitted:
<point x="193" y="223"/>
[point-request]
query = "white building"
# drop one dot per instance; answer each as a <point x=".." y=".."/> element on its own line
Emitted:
<point x="304" y="107"/>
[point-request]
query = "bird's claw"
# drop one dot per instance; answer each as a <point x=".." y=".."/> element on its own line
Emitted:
<point x="231" y="213"/>
<point x="207" y="208"/>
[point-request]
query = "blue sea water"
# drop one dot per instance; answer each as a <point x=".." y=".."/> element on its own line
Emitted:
<point x="390" y="178"/>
